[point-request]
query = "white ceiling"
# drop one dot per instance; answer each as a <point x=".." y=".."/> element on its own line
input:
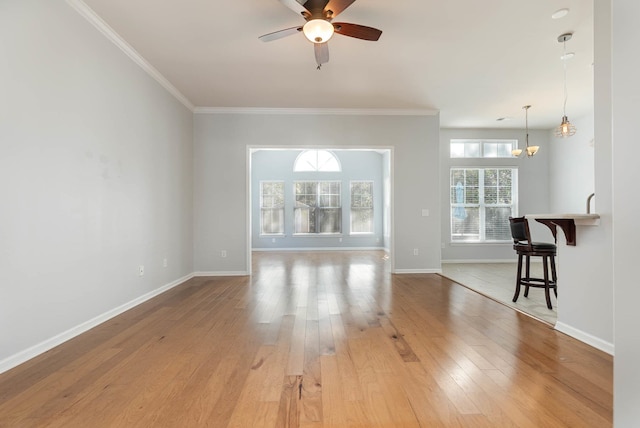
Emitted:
<point x="473" y="60"/>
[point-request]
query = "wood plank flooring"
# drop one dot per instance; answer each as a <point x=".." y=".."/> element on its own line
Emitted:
<point x="317" y="339"/>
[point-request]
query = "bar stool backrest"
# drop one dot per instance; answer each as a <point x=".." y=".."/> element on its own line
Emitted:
<point x="520" y="232"/>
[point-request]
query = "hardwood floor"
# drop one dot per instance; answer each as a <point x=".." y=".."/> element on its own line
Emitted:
<point x="326" y="339"/>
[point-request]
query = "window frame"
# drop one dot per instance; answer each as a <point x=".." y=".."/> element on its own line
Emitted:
<point x="483" y="143"/>
<point x="482" y="205"/>
<point x="318" y="207"/>
<point x="370" y="208"/>
<point x="263" y="208"/>
<point x="316" y="166"/>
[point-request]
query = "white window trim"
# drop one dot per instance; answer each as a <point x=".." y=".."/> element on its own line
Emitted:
<point x="483" y="141"/>
<point x="351" y="233"/>
<point x="277" y="234"/>
<point x="481" y="219"/>
<point x="316" y="167"/>
<point x="316" y="234"/>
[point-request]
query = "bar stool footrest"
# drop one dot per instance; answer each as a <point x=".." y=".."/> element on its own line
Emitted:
<point x="536" y="282"/>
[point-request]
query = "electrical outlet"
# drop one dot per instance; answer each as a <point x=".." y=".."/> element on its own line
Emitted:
<point x="165" y="263"/>
<point x="141" y="270"/>
<point x="415" y="251"/>
<point x="425" y="212"/>
<point x="223" y="253"/>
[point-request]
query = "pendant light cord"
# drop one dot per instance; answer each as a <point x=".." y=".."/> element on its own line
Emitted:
<point x="564" y="60"/>
<point x="565" y="129"/>
<point x="526" y="123"/>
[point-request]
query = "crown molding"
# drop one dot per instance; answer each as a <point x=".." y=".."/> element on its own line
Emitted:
<point x="86" y="12"/>
<point x="93" y="18"/>
<point x="316" y="111"/>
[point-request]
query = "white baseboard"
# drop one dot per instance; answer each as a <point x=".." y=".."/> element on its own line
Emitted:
<point x="222" y="273"/>
<point x="320" y="249"/>
<point x="483" y="261"/>
<point x="405" y="271"/>
<point x="587" y="338"/>
<point x="42" y="347"/>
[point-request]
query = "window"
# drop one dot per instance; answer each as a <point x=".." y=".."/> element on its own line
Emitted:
<point x="361" y="207"/>
<point x="317" y="207"/>
<point x="272" y="207"/>
<point x="482" y="148"/>
<point x="482" y="199"/>
<point x="316" y="160"/>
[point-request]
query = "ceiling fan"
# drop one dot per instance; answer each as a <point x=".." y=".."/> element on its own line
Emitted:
<point x="319" y="28"/>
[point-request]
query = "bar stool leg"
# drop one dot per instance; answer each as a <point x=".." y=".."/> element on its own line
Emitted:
<point x="545" y="266"/>
<point x="528" y="277"/>
<point x="518" y="279"/>
<point x="554" y="277"/>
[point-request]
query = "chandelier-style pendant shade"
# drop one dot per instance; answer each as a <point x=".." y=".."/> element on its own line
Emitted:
<point x="565" y="129"/>
<point x="532" y="150"/>
<point x="528" y="150"/>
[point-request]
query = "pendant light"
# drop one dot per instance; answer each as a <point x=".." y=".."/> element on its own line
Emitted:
<point x="528" y="150"/>
<point x="565" y="129"/>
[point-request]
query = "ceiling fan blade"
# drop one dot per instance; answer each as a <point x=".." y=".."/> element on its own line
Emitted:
<point x="337" y="6"/>
<point x="322" y="53"/>
<point x="295" y="6"/>
<point x="280" y="34"/>
<point x="357" y="31"/>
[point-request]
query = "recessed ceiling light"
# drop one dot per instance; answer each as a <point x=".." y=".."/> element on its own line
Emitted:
<point x="568" y="55"/>
<point x="560" y="13"/>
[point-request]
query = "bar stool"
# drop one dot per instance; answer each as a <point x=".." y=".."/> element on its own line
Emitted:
<point x="526" y="248"/>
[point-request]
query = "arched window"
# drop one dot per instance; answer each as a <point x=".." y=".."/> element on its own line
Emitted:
<point x="316" y="160"/>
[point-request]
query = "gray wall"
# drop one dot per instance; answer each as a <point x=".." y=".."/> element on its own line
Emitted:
<point x="221" y="178"/>
<point x="533" y="189"/>
<point x="572" y="167"/>
<point x="95" y="178"/>
<point x="616" y="121"/>
<point x="585" y="271"/>
<point x="356" y="165"/>
<point x="575" y="176"/>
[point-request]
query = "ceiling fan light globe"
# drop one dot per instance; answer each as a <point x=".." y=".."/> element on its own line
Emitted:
<point x="318" y="30"/>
